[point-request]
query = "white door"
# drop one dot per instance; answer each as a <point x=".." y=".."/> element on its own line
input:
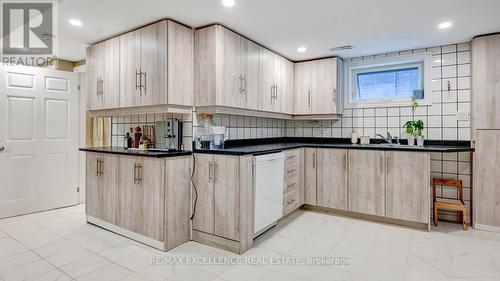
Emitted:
<point x="38" y="139"/>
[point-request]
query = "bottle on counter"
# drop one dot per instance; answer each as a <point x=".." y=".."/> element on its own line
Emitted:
<point x="354" y="137"/>
<point x="143" y="143"/>
<point x="127" y="141"/>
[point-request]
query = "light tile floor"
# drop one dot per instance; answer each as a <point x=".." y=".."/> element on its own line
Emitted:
<point x="60" y="245"/>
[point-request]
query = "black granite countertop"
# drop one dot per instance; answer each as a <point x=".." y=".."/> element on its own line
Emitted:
<point x="123" y="151"/>
<point x="266" y="146"/>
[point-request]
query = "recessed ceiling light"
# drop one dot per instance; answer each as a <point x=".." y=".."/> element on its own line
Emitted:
<point x="301" y="49"/>
<point x="228" y="3"/>
<point x="445" y="25"/>
<point x="75" y="22"/>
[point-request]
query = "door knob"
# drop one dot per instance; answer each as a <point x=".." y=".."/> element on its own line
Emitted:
<point x="2" y="148"/>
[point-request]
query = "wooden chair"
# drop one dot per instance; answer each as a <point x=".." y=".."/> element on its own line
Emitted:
<point x="449" y="204"/>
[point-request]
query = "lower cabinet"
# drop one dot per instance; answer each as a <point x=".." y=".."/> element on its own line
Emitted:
<point x="141" y="197"/>
<point x="293" y="181"/>
<point x="407" y="195"/>
<point x="367" y="181"/>
<point x="310" y="176"/>
<point x="102" y="182"/>
<point x="145" y="198"/>
<point x="331" y="178"/>
<point x="217" y="201"/>
<point x="223" y="196"/>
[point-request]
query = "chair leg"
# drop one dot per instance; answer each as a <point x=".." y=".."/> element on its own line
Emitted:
<point x="464" y="218"/>
<point x="435" y="216"/>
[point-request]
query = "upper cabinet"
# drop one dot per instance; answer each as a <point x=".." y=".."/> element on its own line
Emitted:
<point x="103" y="62"/>
<point x="232" y="71"/>
<point x="486" y="84"/>
<point x="226" y="69"/>
<point x="317" y="87"/>
<point x="149" y="66"/>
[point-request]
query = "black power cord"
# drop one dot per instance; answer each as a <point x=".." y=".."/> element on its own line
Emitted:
<point x="194" y="186"/>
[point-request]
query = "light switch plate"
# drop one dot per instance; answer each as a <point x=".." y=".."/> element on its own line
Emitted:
<point x="462" y="116"/>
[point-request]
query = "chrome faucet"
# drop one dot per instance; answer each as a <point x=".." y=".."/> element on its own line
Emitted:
<point x="388" y="139"/>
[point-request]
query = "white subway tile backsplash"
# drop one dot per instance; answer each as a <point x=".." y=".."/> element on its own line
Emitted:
<point x="449" y="49"/>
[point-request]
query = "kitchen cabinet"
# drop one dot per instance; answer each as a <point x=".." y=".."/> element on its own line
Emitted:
<point x="331" y="178"/>
<point x="149" y="66"/>
<point x="485" y="180"/>
<point x="317" y="87"/>
<point x="145" y="198"/>
<point x="216" y="178"/>
<point x="103" y="62"/>
<point x="407" y="195"/>
<point x="310" y="170"/>
<point x="101" y="186"/>
<point x="226" y="69"/>
<point x="367" y="181"/>
<point x="224" y="201"/>
<point x="486" y="86"/>
<point x="141" y="197"/>
<point x="276" y="82"/>
<point x="293" y="182"/>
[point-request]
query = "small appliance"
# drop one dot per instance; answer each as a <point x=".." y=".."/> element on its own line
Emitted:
<point x="169" y="135"/>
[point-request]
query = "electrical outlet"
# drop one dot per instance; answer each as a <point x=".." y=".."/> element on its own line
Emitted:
<point x="463" y="116"/>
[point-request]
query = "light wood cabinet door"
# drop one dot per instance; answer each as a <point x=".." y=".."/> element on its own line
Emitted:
<point x="110" y="61"/>
<point x="151" y="208"/>
<point x="407" y="187"/>
<point x="205" y="66"/>
<point x="204" y="193"/>
<point x="367" y="181"/>
<point x="130" y="68"/>
<point x="226" y="196"/>
<point x="485" y="82"/>
<point x="154" y="64"/>
<point x="93" y="77"/>
<point x="485" y="179"/>
<point x="180" y="64"/>
<point x="279" y="104"/>
<point x="250" y="98"/>
<point x="108" y="188"/>
<point x="92" y="182"/>
<point x="303" y="88"/>
<point x="287" y="86"/>
<point x="324" y="86"/>
<point x="332" y="178"/>
<point x="310" y="168"/>
<point x="177" y="198"/>
<point x="229" y="63"/>
<point x="267" y="79"/>
<point x="141" y="197"/>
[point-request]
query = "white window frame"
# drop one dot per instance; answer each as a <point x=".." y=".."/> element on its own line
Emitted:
<point x="421" y="60"/>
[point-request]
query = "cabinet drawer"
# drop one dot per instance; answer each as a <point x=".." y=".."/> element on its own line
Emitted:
<point x="290" y="201"/>
<point x="291" y="157"/>
<point x="290" y="171"/>
<point x="290" y="186"/>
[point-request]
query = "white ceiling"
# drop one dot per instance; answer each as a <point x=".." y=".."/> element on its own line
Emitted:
<point x="283" y="25"/>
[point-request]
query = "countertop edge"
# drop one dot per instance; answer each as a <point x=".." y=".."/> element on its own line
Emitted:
<point x="137" y="154"/>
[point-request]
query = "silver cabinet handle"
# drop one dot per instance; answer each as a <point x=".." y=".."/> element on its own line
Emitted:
<point x="240" y="88"/>
<point x="102" y="87"/>
<point x="135" y="173"/>
<point x="97" y="167"/>
<point x="276" y="91"/>
<point x="101" y="170"/>
<point x="144" y="85"/>
<point x="290" y="201"/>
<point x="140" y="173"/>
<point x="216" y="170"/>
<point x="290" y="171"/>
<point x="210" y="166"/>
<point x="309" y="97"/>
<point x="334" y="96"/>
<point x="291" y="157"/>
<point x="137" y="78"/>
<point x="314" y="160"/>
<point x="98" y="86"/>
<point x="245" y="84"/>
<point x="289" y="186"/>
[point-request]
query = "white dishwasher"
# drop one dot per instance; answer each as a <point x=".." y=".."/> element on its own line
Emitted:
<point x="268" y="191"/>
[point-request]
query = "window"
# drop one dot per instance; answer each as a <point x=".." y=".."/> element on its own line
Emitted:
<point x="386" y="82"/>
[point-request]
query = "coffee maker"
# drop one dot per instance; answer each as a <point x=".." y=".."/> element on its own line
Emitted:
<point x="169" y="134"/>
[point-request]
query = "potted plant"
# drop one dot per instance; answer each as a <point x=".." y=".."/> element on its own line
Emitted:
<point x="410" y="130"/>
<point x="418" y="126"/>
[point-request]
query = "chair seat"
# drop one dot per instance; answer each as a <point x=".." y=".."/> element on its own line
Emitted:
<point x="449" y="204"/>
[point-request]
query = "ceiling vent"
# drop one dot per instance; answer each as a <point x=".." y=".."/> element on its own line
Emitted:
<point x="341" y="48"/>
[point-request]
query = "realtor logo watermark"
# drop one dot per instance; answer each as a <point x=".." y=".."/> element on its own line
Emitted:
<point x="28" y="33"/>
